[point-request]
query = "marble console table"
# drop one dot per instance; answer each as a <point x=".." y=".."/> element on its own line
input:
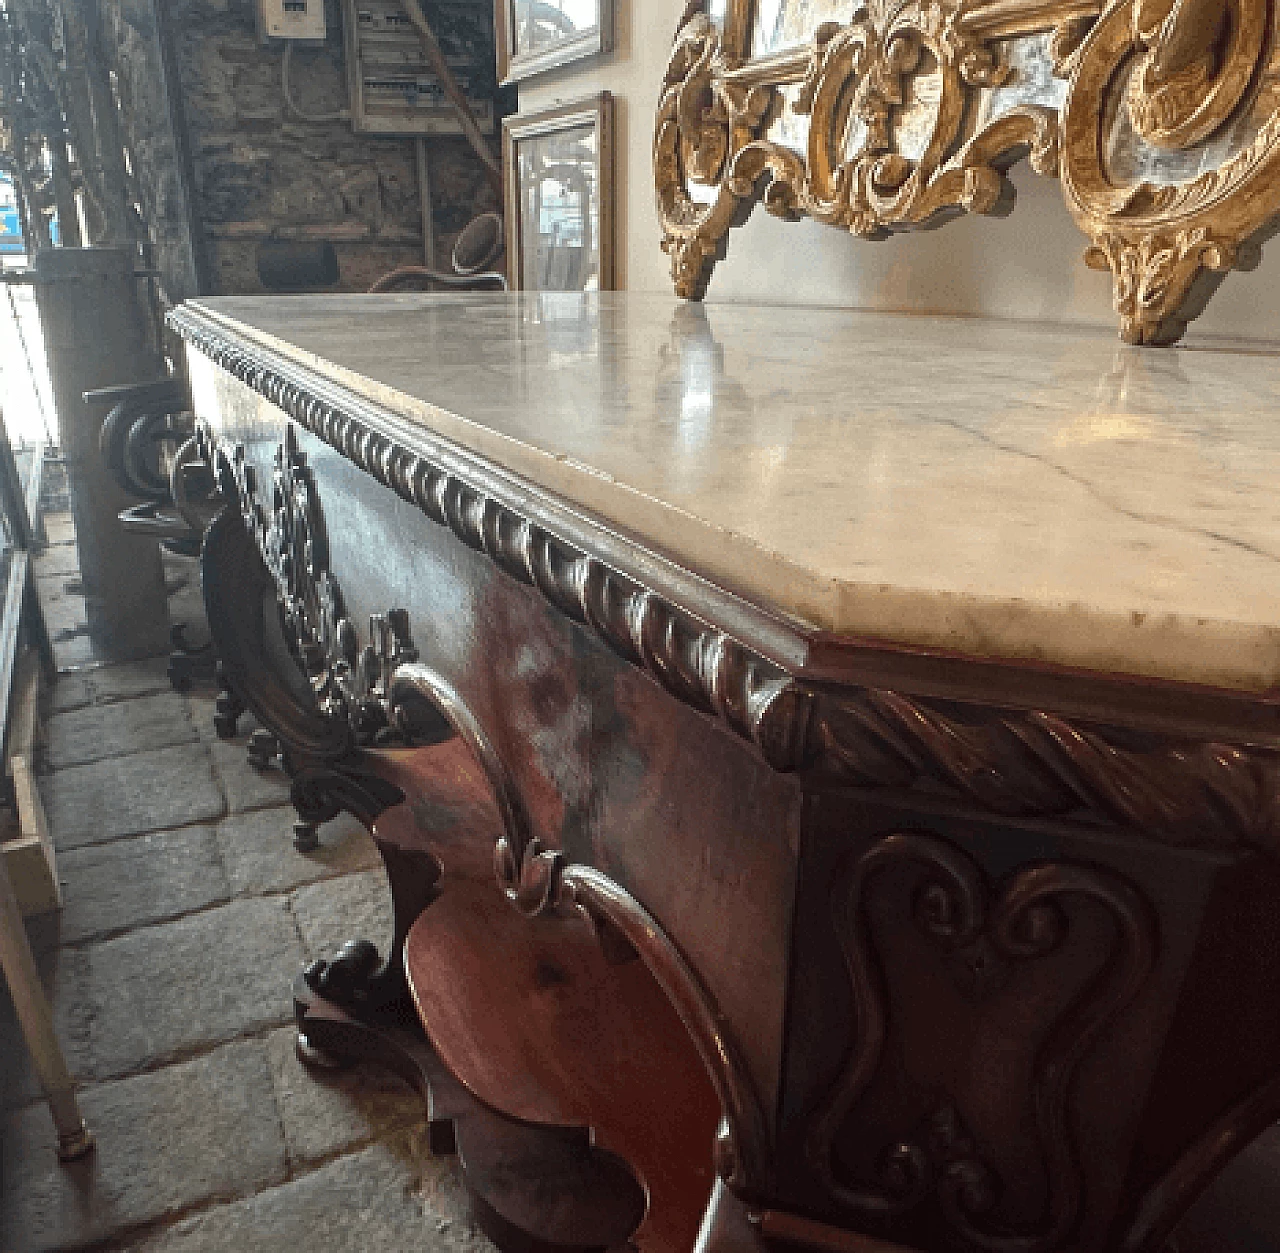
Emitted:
<point x="825" y="763"/>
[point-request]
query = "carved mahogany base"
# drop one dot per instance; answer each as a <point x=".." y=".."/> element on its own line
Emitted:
<point x="533" y="1190"/>
<point x="951" y="968"/>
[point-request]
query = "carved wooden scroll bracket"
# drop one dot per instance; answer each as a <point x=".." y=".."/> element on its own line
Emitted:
<point x="541" y="882"/>
<point x="1162" y="118"/>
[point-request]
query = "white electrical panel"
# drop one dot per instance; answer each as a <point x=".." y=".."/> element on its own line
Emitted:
<point x="393" y="91"/>
<point x="291" y="19"/>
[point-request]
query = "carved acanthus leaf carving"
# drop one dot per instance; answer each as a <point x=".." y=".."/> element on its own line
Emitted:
<point x="1153" y="275"/>
<point x="1168" y="139"/>
<point x="348" y="681"/>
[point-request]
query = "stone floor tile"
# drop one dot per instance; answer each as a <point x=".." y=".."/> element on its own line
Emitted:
<point x="357" y="907"/>
<point x="202" y="700"/>
<point x="73" y="651"/>
<point x="64" y="610"/>
<point x="57" y="561"/>
<point x="385" y="1198"/>
<point x="246" y="789"/>
<point x="326" y="1112"/>
<point x="130" y="883"/>
<point x="163" y="991"/>
<point x="258" y="853"/>
<point x="166" y="1142"/>
<point x="127" y="726"/>
<point x="154" y="791"/>
<point x="130" y="679"/>
<point x="65" y="978"/>
<point x="59" y="528"/>
<point x="71" y="691"/>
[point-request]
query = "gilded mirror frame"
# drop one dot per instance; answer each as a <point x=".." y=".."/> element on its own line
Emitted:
<point x="1161" y="118"/>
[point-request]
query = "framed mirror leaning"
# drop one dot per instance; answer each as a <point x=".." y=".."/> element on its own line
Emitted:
<point x="538" y="35"/>
<point x="558" y="172"/>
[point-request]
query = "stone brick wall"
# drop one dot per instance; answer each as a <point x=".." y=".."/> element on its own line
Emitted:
<point x="257" y="171"/>
<point x="131" y="39"/>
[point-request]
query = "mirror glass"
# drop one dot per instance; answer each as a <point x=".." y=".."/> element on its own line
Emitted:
<point x="541" y="24"/>
<point x="560" y="210"/>
<point x="781" y="24"/>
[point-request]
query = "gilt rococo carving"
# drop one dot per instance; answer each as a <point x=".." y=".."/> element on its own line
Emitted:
<point x="1161" y="117"/>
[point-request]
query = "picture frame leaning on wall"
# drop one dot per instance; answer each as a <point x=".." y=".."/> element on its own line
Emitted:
<point x="558" y="173"/>
<point x="534" y="36"/>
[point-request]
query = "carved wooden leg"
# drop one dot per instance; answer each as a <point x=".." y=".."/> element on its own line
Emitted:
<point x="189" y="665"/>
<point x="228" y="708"/>
<point x="369" y="992"/>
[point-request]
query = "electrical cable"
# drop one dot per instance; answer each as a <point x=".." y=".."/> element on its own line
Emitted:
<point x="342" y="115"/>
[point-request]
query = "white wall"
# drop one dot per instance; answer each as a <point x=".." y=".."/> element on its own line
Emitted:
<point x="1028" y="265"/>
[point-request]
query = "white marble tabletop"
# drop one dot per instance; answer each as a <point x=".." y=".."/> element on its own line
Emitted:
<point x="1015" y="491"/>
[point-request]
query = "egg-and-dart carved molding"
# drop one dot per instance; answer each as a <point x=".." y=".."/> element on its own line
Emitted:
<point x="1183" y="790"/>
<point x="1161" y="119"/>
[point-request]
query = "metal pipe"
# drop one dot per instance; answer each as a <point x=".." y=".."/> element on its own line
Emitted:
<point x="427" y="202"/>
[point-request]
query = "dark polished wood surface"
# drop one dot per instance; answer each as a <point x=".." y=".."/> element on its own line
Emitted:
<point x="966" y="957"/>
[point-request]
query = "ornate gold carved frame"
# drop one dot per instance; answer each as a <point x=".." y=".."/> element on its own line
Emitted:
<point x="1161" y="117"/>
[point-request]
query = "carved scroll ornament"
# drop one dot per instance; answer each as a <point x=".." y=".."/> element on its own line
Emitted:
<point x="1021" y="921"/>
<point x="348" y="680"/>
<point x="1162" y="118"/>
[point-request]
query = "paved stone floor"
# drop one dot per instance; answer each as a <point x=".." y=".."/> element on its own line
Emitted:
<point x="188" y="912"/>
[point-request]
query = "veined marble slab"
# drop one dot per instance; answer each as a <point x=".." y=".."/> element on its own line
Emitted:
<point x="1022" y="492"/>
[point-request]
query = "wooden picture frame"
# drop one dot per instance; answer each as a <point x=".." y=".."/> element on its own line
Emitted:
<point x="593" y="225"/>
<point x="516" y="63"/>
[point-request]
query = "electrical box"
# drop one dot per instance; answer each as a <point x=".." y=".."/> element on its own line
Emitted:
<point x="291" y="19"/>
<point x="393" y="91"/>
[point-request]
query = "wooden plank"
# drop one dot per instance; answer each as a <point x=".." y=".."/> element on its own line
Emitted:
<point x="34" y="1016"/>
<point x="25" y="730"/>
<point x="30" y="857"/>
<point x="33" y="863"/>
<point x="28" y="862"/>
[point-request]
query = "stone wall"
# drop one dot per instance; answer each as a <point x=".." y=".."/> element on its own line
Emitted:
<point x="257" y="171"/>
<point x="131" y="38"/>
